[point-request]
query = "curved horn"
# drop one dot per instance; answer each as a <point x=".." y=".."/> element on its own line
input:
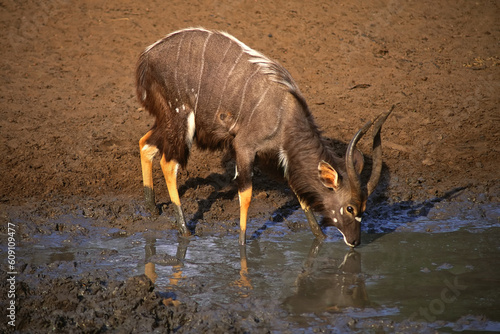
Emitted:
<point x="377" y="151"/>
<point x="354" y="179"/>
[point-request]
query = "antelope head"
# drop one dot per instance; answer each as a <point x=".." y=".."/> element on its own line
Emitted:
<point x="347" y="201"/>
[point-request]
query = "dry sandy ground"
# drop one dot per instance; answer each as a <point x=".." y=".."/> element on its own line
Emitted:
<point x="70" y="121"/>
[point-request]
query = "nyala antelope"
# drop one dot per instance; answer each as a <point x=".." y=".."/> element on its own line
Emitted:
<point x="207" y="87"/>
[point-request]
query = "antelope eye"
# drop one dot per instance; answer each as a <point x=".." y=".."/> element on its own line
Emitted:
<point x="350" y="209"/>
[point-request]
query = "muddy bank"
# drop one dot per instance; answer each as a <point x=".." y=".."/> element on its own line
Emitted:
<point x="99" y="304"/>
<point x="81" y="276"/>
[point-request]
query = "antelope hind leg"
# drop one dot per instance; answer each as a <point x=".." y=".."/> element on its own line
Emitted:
<point x="169" y="169"/>
<point x="148" y="152"/>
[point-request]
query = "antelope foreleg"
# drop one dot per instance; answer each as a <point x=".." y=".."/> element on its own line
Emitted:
<point x="245" y="199"/>
<point x="169" y="169"/>
<point x="313" y="223"/>
<point x="148" y="152"/>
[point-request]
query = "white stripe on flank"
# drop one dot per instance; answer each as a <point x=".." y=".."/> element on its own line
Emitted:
<point x="243" y="98"/>
<point x="177" y="65"/>
<point x="201" y="70"/>
<point x="257" y="104"/>
<point x="281" y="110"/>
<point x="227" y="79"/>
<point x="216" y="114"/>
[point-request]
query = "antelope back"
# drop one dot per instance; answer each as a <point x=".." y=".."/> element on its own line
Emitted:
<point x="229" y="90"/>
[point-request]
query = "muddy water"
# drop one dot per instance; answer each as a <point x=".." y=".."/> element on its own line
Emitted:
<point x="447" y="280"/>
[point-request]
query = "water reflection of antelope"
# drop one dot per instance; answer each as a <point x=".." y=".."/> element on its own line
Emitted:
<point x="243" y="282"/>
<point x="152" y="259"/>
<point x="329" y="289"/>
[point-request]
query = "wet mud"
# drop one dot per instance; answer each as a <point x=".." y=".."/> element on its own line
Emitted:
<point x="88" y="257"/>
<point x="423" y="272"/>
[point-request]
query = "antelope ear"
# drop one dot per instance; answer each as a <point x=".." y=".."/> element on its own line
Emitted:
<point x="359" y="161"/>
<point x="328" y="175"/>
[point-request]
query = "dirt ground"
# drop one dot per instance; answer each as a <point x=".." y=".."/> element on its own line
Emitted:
<point x="70" y="121"/>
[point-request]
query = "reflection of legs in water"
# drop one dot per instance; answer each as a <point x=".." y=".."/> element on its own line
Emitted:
<point x="149" y="268"/>
<point x="176" y="263"/>
<point x="176" y="275"/>
<point x="180" y="255"/>
<point x="244" y="281"/>
<point x="313" y="252"/>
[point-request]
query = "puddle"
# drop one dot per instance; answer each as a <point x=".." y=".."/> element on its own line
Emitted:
<point x="447" y="280"/>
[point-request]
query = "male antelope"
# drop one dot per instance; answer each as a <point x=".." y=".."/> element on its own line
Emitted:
<point x="208" y="87"/>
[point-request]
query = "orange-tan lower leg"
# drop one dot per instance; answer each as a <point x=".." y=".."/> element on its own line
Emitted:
<point x="245" y="199"/>
<point x="148" y="152"/>
<point x="169" y="169"/>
